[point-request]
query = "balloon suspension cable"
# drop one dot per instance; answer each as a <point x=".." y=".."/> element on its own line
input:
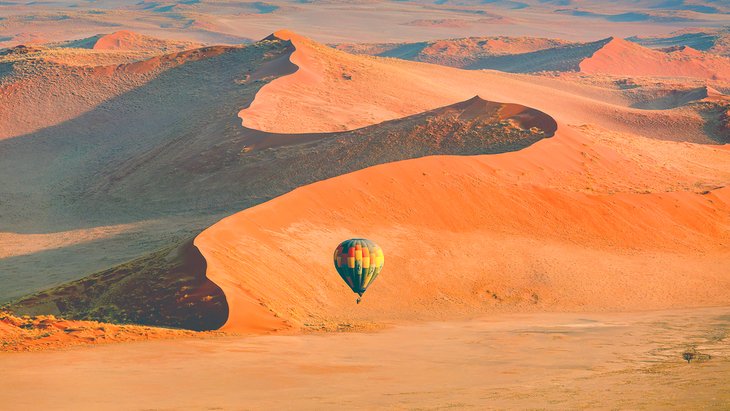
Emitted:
<point x="359" y="299"/>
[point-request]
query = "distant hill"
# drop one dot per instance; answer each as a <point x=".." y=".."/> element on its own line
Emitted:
<point x="529" y="55"/>
<point x="715" y="41"/>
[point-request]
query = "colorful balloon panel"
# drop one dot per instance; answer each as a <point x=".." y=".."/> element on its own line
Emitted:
<point x="358" y="261"/>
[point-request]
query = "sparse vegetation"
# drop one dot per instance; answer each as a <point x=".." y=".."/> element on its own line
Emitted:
<point x="691" y="354"/>
<point x="166" y="288"/>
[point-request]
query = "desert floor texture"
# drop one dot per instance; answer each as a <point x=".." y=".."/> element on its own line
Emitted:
<point x="548" y="181"/>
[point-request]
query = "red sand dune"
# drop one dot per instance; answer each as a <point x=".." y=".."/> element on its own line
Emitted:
<point x="25" y="108"/>
<point x="599" y="191"/>
<point x="626" y="58"/>
<point x="611" y="55"/>
<point x="120" y="40"/>
<point x="333" y="91"/>
<point x="467" y="235"/>
<point x="461" y="52"/>
<point x="592" y="219"/>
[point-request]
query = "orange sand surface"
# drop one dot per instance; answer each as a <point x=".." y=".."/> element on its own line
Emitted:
<point x="543" y="361"/>
<point x="570" y="223"/>
<point x="598" y="217"/>
<point x="333" y="91"/>
<point x="623" y="57"/>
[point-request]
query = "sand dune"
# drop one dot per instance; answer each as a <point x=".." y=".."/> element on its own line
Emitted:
<point x="716" y="41"/>
<point x="77" y="88"/>
<point x="503" y="238"/>
<point x="260" y="166"/>
<point x="524" y="55"/>
<point x="626" y="58"/>
<point x="601" y="159"/>
<point x="332" y="90"/>
<point x="266" y="259"/>
<point x="103" y="123"/>
<point x="125" y="41"/>
<point x="500" y="214"/>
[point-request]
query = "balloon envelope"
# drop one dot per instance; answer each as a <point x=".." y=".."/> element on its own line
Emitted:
<point x="358" y="261"/>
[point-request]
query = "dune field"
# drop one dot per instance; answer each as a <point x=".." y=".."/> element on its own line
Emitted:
<point x="552" y="203"/>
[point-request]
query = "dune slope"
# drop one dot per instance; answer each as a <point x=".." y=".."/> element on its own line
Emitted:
<point x="468" y="235"/>
<point x="612" y="55"/>
<point x="66" y="176"/>
<point x="129" y="40"/>
<point x="462" y="53"/>
<point x="333" y="91"/>
<point x="165" y="288"/>
<point x="257" y="166"/>
<point x="626" y="58"/>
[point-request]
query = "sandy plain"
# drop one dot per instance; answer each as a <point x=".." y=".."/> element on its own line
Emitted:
<point x="536" y="361"/>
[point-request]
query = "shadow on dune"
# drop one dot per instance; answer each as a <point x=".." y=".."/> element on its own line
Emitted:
<point x="58" y="178"/>
<point x="165" y="288"/>
<point x="562" y="58"/>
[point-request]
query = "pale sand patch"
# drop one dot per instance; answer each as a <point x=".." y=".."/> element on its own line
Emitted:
<point x="15" y="244"/>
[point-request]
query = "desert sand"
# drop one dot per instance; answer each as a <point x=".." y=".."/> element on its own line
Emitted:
<point x="46" y="332"/>
<point x="332" y="91"/>
<point x="232" y="22"/>
<point x="546" y="361"/>
<point x="604" y="160"/>
<point x="551" y="195"/>
<point x="503" y="208"/>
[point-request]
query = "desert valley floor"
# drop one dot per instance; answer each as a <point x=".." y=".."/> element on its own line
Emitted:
<point x="548" y="181"/>
<point x="568" y="361"/>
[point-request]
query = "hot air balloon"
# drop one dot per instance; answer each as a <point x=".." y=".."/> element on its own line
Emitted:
<point x="359" y="262"/>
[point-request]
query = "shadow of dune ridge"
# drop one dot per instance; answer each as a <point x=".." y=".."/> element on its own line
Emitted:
<point x="50" y="176"/>
<point x="166" y="288"/>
